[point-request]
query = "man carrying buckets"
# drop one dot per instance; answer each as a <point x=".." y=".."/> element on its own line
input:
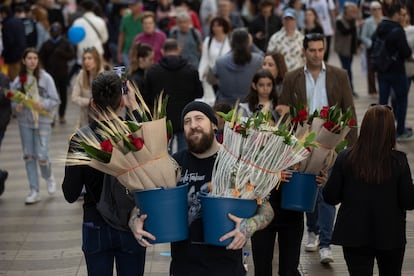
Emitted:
<point x="316" y="85"/>
<point x="193" y="256"/>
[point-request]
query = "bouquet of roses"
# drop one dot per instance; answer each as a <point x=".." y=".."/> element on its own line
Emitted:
<point x="253" y="155"/>
<point x="21" y="98"/>
<point x="134" y="152"/>
<point x="330" y="125"/>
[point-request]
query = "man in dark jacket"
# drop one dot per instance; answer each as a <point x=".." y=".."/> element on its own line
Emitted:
<point x="179" y="80"/>
<point x="264" y="25"/>
<point x="54" y="55"/>
<point x="14" y="41"/>
<point x="395" y="78"/>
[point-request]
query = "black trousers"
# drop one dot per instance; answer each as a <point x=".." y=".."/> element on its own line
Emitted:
<point x="360" y="261"/>
<point x="289" y="229"/>
<point x="61" y="86"/>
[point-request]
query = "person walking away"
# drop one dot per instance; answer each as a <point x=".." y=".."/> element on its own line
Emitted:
<point x="372" y="182"/>
<point x="14" y="41"/>
<point x="104" y="242"/>
<point x="394" y="78"/>
<point x="55" y="54"/>
<point x="169" y="69"/>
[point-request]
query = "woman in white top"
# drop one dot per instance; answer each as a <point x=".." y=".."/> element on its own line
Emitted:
<point x="214" y="46"/>
<point x="92" y="65"/>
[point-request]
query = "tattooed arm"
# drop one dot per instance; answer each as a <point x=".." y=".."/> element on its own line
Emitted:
<point x="262" y="219"/>
<point x="245" y="228"/>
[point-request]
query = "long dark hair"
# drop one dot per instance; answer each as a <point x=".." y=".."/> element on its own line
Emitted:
<point x="252" y="98"/>
<point x="139" y="50"/>
<point x="23" y="68"/>
<point x="371" y="156"/>
<point x="281" y="66"/>
<point x="317" y="22"/>
<point x="240" y="44"/>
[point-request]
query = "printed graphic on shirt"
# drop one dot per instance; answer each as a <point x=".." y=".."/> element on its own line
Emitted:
<point x="197" y="185"/>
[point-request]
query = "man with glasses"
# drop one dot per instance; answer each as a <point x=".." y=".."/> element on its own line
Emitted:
<point x="316" y="85"/>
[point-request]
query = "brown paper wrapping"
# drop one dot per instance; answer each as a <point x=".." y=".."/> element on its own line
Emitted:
<point x="324" y="156"/>
<point x="148" y="168"/>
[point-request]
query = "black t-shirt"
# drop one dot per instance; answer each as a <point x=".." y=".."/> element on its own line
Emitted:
<point x="192" y="256"/>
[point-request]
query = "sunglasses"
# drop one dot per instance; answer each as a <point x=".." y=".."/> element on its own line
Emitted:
<point x="384" y="105"/>
<point x="314" y="36"/>
<point x="88" y="49"/>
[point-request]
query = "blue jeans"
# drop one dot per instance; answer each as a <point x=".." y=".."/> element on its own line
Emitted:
<point x="346" y="63"/>
<point x="101" y="244"/>
<point x="35" y="144"/>
<point x="399" y="85"/>
<point x="181" y="143"/>
<point x="321" y="221"/>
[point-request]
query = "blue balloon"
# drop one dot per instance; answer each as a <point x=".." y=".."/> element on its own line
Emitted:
<point x="76" y="34"/>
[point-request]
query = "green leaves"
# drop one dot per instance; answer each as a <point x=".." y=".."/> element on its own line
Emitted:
<point x="226" y="117"/>
<point x="95" y="153"/>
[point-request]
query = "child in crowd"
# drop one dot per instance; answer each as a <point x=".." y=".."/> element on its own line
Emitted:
<point x="262" y="94"/>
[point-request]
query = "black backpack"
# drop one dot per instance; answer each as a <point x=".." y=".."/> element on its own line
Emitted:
<point x="380" y="57"/>
<point x="115" y="203"/>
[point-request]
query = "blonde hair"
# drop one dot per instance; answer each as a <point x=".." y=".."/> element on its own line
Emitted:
<point x="39" y="14"/>
<point x="99" y="66"/>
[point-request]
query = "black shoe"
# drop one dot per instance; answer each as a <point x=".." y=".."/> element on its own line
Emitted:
<point x="356" y="96"/>
<point x="3" y="177"/>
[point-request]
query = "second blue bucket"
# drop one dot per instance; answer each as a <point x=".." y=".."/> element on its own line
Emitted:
<point x="167" y="212"/>
<point x="300" y="193"/>
<point x="216" y="223"/>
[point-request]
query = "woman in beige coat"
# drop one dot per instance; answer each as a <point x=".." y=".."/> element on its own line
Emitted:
<point x="92" y="65"/>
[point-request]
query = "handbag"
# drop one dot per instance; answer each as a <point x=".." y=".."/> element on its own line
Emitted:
<point x="210" y="77"/>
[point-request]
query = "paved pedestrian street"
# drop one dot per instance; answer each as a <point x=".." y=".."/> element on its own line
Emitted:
<point x="45" y="238"/>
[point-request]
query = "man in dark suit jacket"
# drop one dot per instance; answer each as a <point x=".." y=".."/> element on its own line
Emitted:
<point x="316" y="85"/>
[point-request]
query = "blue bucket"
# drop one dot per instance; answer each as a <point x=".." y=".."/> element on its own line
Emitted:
<point x="167" y="212"/>
<point x="216" y="223"/>
<point x="300" y="193"/>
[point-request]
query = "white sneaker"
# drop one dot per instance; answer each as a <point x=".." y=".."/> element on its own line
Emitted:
<point x="51" y="185"/>
<point x="326" y="255"/>
<point x="33" y="197"/>
<point x="313" y="242"/>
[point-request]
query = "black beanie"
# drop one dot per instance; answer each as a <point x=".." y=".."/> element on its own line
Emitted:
<point x="203" y="108"/>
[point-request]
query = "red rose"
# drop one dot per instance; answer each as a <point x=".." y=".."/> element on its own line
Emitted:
<point x="303" y="115"/>
<point x="138" y="142"/>
<point x="351" y="123"/>
<point x="238" y="128"/>
<point x="328" y="125"/>
<point x="9" y="95"/>
<point x="106" y="145"/>
<point x="324" y="112"/>
<point x="295" y="120"/>
<point x="23" y="79"/>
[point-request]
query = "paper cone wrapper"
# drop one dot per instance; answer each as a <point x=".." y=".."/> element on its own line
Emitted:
<point x="148" y="168"/>
<point x="324" y="156"/>
<point x="301" y="131"/>
<point x="316" y="125"/>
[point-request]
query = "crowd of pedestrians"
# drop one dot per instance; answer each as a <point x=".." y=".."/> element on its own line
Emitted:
<point x="222" y="53"/>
